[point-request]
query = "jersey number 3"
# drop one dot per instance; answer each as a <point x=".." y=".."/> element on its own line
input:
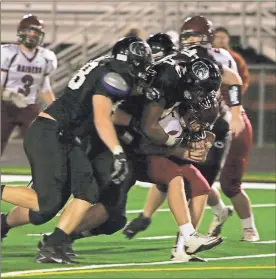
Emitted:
<point x="78" y="79"/>
<point x="28" y="81"/>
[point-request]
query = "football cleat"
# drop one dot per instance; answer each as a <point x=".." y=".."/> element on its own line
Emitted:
<point x="199" y="242"/>
<point x="51" y="254"/>
<point x="138" y="224"/>
<point x="250" y="235"/>
<point x="66" y="247"/>
<point x="218" y="221"/>
<point x="183" y="257"/>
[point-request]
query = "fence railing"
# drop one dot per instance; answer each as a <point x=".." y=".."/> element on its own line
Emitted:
<point x="260" y="103"/>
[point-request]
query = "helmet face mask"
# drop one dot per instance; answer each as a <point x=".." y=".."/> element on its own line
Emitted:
<point x="161" y="45"/>
<point x="30" y="32"/>
<point x="201" y="82"/>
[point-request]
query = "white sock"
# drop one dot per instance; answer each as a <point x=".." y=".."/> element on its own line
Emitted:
<point x="248" y="223"/>
<point x="219" y="208"/>
<point x="187" y="230"/>
<point x="179" y="245"/>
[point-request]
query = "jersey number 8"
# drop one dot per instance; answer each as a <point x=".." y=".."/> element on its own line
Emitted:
<point x="78" y="79"/>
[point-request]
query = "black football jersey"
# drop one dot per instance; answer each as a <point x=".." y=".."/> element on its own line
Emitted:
<point x="103" y="76"/>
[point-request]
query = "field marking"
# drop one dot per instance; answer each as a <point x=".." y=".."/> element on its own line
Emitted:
<point x="246" y="185"/>
<point x="207" y="207"/>
<point x="157" y="237"/>
<point x="173" y="236"/>
<point x="104" y="267"/>
<point x="210" y="268"/>
<point x="265" y="242"/>
<point x="135" y="211"/>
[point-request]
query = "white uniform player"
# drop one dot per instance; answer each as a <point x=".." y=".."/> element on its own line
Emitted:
<point x="224" y="57"/>
<point x="25" y="70"/>
<point x="24" y="75"/>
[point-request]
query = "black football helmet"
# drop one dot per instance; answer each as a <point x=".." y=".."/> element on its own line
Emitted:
<point x="25" y="36"/>
<point x="201" y="81"/>
<point x="161" y="45"/>
<point x="136" y="53"/>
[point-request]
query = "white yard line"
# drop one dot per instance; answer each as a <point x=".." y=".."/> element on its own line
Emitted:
<point x="168" y="210"/>
<point x="31" y="272"/>
<point x="157" y="237"/>
<point x="136" y="211"/>
<point x="265" y="242"/>
<point x="246" y="185"/>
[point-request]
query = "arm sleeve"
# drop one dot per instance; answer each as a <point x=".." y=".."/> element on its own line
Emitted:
<point x="51" y="63"/>
<point x="46" y="85"/>
<point x="5" y="58"/>
<point x="242" y="70"/>
<point x="3" y="77"/>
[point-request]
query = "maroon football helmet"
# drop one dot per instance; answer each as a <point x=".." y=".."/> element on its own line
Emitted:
<point x="24" y="34"/>
<point x="196" y="26"/>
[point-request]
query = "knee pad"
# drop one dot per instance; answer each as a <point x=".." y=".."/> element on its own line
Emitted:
<point x="38" y="218"/>
<point x="47" y="211"/>
<point x="162" y="188"/>
<point x="111" y="226"/>
<point x="230" y="188"/>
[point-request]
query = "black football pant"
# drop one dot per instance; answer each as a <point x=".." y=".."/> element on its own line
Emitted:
<point x="59" y="168"/>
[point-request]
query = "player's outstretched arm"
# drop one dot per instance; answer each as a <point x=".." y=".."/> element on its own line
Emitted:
<point x="46" y="93"/>
<point x="233" y="80"/>
<point x="150" y="124"/>
<point x="102" y="107"/>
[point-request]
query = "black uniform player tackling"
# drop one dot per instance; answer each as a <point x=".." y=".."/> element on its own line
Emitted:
<point x="59" y="164"/>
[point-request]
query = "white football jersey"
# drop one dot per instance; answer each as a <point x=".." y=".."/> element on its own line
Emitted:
<point x="171" y="123"/>
<point x="26" y="74"/>
<point x="224" y="57"/>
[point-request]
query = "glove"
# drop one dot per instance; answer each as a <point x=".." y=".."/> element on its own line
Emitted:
<point x="135" y="125"/>
<point x="17" y="99"/>
<point x="152" y="94"/>
<point x="173" y="141"/>
<point x="120" y="168"/>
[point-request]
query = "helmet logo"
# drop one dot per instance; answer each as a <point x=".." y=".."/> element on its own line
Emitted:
<point x="139" y="49"/>
<point x="187" y="95"/>
<point x="200" y="69"/>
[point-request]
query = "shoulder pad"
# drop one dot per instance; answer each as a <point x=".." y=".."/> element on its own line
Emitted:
<point x="115" y="84"/>
<point x="9" y="49"/>
<point x="222" y="52"/>
<point x="50" y="56"/>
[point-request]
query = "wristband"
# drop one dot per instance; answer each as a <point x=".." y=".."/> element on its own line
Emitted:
<point x="235" y="95"/>
<point x="117" y="150"/>
<point x="170" y="141"/>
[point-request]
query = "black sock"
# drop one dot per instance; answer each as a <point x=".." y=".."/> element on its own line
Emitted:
<point x="4" y="225"/>
<point x="57" y="237"/>
<point x="2" y="189"/>
<point x="75" y="236"/>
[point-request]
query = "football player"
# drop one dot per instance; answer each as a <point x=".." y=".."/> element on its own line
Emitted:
<point x="58" y="162"/>
<point x="193" y="41"/>
<point x="146" y="169"/>
<point x="25" y="70"/>
<point x="168" y="75"/>
<point x="236" y="161"/>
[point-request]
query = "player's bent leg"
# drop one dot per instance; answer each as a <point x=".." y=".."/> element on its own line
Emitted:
<point x="197" y="207"/>
<point x="20" y="196"/>
<point x="231" y="180"/>
<point x="8" y="113"/>
<point x="156" y="196"/>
